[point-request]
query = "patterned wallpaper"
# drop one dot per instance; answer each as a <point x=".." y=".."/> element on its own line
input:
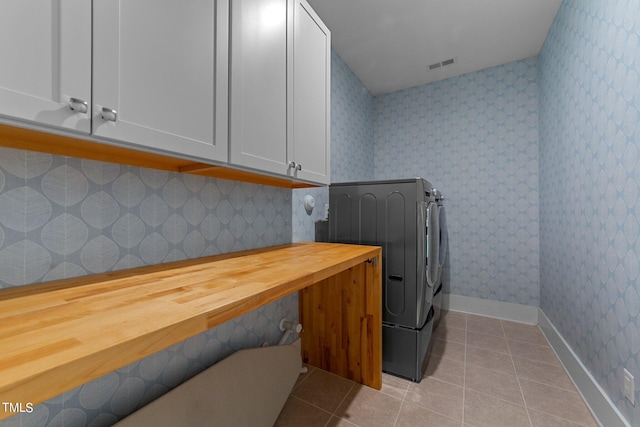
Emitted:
<point x="351" y="125"/>
<point x="63" y="217"/>
<point x="351" y="145"/>
<point x="474" y="137"/>
<point x="589" y="176"/>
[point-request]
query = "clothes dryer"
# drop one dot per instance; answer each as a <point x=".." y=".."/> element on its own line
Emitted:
<point x="402" y="217"/>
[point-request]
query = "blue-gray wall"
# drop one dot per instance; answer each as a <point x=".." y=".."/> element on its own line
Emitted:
<point x="589" y="179"/>
<point x="351" y="145"/>
<point x="475" y="138"/>
<point x="63" y="217"/>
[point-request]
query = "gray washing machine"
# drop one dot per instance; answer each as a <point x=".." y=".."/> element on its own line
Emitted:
<point x="401" y="216"/>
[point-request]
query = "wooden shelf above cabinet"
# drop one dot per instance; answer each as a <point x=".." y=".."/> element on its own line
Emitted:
<point x="44" y="142"/>
<point x="59" y="335"/>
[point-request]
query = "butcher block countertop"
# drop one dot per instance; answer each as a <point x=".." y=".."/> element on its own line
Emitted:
<point x="58" y="335"/>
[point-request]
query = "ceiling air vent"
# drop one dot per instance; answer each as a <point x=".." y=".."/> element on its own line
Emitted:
<point x="442" y="64"/>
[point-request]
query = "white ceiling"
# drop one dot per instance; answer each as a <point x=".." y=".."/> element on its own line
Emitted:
<point x="389" y="44"/>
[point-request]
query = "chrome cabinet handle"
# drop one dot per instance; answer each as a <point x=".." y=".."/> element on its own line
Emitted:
<point x="295" y="166"/>
<point x="78" y="105"/>
<point x="109" y="114"/>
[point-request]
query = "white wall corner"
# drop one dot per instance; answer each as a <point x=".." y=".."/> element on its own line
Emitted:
<point x="596" y="398"/>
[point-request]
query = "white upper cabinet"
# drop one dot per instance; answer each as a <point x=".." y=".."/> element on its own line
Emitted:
<point x="160" y="74"/>
<point x="46" y="61"/>
<point x="280" y="80"/>
<point x="258" y="84"/>
<point x="310" y="147"/>
<point x="240" y="81"/>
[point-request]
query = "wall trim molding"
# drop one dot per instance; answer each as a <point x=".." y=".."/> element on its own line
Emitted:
<point x="596" y="398"/>
<point x="489" y="308"/>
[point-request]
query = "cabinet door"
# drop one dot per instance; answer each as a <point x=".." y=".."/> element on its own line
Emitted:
<point x="45" y="47"/>
<point x="258" y="130"/>
<point x="160" y="74"/>
<point x="310" y="143"/>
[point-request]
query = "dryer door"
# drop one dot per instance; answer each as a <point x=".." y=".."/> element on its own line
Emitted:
<point x="427" y="252"/>
<point x="433" y="245"/>
<point x="443" y="237"/>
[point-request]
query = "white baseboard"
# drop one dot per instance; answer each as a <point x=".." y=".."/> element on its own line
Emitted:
<point x="484" y="307"/>
<point x="597" y="400"/>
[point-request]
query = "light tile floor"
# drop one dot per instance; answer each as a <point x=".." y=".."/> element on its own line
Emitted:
<point x="482" y="372"/>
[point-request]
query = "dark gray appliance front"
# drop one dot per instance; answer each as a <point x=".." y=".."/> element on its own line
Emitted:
<point x="442" y="258"/>
<point x="401" y="217"/>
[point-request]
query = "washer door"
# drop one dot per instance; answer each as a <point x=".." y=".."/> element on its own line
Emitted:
<point x="443" y="238"/>
<point x="433" y="245"/>
<point x="427" y="262"/>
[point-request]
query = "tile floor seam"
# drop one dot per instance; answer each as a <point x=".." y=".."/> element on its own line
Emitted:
<point x="311" y="404"/>
<point x="430" y="409"/>
<point x="539" y="361"/>
<point x="395" y="422"/>
<point x="572" y="389"/>
<point x="493" y="396"/>
<point x="482" y="348"/>
<point x="300" y="382"/>
<point x="526" y="407"/>
<point x="353" y="384"/>
<point x="524" y="341"/>
<point x="490" y="369"/>
<point x="314" y="405"/>
<point x="406" y="390"/>
<point x="577" y="423"/>
<point x="404" y="398"/>
<point x="447" y="382"/>
<point x="464" y="371"/>
<point x="575" y="391"/>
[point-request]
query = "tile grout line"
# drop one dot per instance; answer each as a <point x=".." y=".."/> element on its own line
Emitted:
<point x="307" y="374"/>
<point x="311" y="404"/>
<point x="526" y="408"/>
<point x="333" y="413"/>
<point x="404" y="397"/>
<point x="395" y="422"/>
<point x="464" y="371"/>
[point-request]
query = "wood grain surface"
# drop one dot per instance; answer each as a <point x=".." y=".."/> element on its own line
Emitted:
<point x="33" y="140"/>
<point x="58" y="335"/>
<point x="342" y="319"/>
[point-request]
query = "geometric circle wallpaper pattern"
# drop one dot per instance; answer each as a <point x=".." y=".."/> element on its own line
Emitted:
<point x="62" y="217"/>
<point x="475" y="138"/>
<point x="590" y="175"/>
<point x="352" y="127"/>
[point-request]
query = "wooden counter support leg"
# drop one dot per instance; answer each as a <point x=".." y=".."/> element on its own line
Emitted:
<point x="342" y="321"/>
